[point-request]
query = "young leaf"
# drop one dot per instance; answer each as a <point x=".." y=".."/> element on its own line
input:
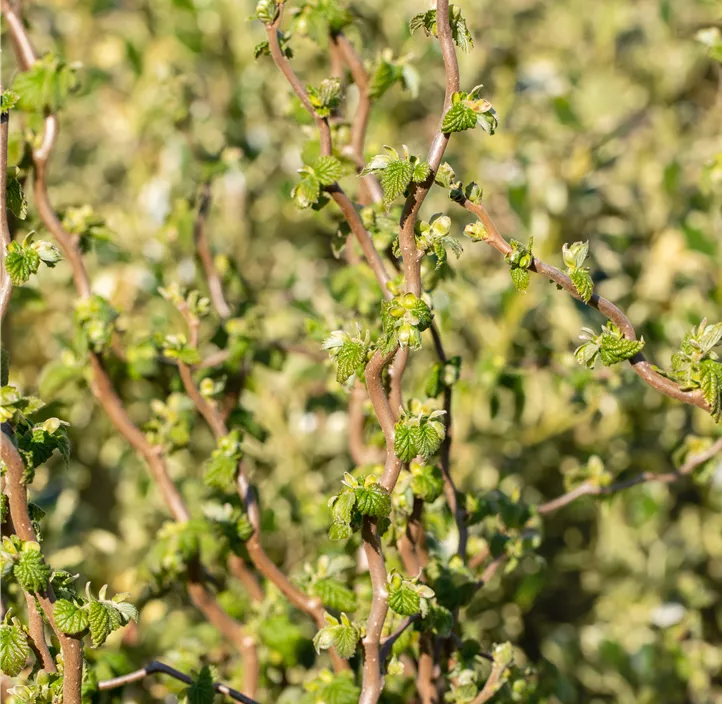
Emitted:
<point x="200" y="690"/>
<point x="14" y="649"/>
<point x="102" y="621"/>
<point x="30" y="569"/>
<point x="328" y="170"/>
<point x="421" y="172"/>
<point x="615" y="349"/>
<point x="403" y="599"/>
<point x="427" y="482"/>
<point x="21" y="263"/>
<point x="427" y="438"/>
<point x="69" y="617"/>
<point x="373" y="500"/>
<point x="458" y="117"/>
<point x="583" y="283"/>
<point x="395" y="180"/>
<point x="343" y="636"/>
<point x="46" y="85"/>
<point x="8" y="100"/>
<point x="307" y="192"/>
<point x="16" y="201"/>
<point x="710" y="382"/>
<point x="404" y="445"/>
<point x="335" y="595"/>
<point x="520" y="279"/>
<point x="342" y="506"/>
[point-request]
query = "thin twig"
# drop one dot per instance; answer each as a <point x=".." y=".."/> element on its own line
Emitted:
<point x="156" y="667"/>
<point x="389" y="641"/>
<point x="641" y="366"/>
<point x="589" y="489"/>
<point x="215" y="287"/>
<point x="6" y="285"/>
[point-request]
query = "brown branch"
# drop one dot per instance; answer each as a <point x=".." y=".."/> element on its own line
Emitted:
<point x="215" y="287"/>
<point x="17" y="494"/>
<point x="6" y="285"/>
<point x="370" y="187"/>
<point x="389" y="641"/>
<point x="335" y="191"/>
<point x="492" y="685"/>
<point x="407" y="240"/>
<point x="425" y="684"/>
<point x="410" y="545"/>
<point x="452" y="495"/>
<point x="309" y="605"/>
<point x="37" y="635"/>
<point x="100" y="382"/>
<point x="589" y="489"/>
<point x="156" y="667"/>
<point x="641" y="366"/>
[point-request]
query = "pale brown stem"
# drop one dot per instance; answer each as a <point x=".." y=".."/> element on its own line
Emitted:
<point x="410" y="545"/>
<point x="492" y="685"/>
<point x="37" y="634"/>
<point x="156" y="667"/>
<point x="641" y="366"/>
<point x="335" y="191"/>
<point x="6" y="285"/>
<point x="425" y="684"/>
<point x="100" y="381"/>
<point x="589" y="489"/>
<point x="16" y="491"/>
<point x="389" y="641"/>
<point x="450" y="491"/>
<point x="203" y="248"/>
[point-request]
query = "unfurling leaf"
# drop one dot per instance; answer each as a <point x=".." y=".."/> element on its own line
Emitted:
<point x="520" y="259"/>
<point x="458" y="117"/>
<point x="711" y="385"/>
<point x="328" y="170"/>
<point x="395" y="180"/>
<point x="343" y="636"/>
<point x="404" y="600"/>
<point x="616" y="349"/>
<point x="583" y="283"/>
<point x="335" y="595"/>
<point x="520" y="279"/>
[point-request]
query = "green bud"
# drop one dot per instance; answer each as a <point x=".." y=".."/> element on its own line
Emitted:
<point x="408" y="301"/>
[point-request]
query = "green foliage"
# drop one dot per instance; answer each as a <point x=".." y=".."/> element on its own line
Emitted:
<point x="358" y="499"/>
<point x="407" y="597"/>
<point x="70" y="617"/>
<point x="45" y="86"/>
<point x="710" y="381"/>
<point x="611" y="346"/>
<point x="404" y="318"/>
<point x="467" y="111"/>
<point x="418" y="432"/>
<point x="459" y="31"/>
<point x="23" y="260"/>
<point x="397" y="173"/>
<point x="340" y="634"/>
<point x="325" y="172"/>
<point x="18" y="205"/>
<point x="433" y="237"/>
<point x="349" y="352"/>
<point x="14" y="648"/>
<point x="574" y="256"/>
<point x="519" y="260"/>
<point x="330" y="688"/>
<point x="8" y="100"/>
<point x="96" y="319"/>
<point x="30" y="568"/>
<point x="87" y="225"/>
<point x="107" y="615"/>
<point x="267" y="11"/>
<point x="326" y="98"/>
<point x="334" y="594"/>
<point x="222" y="466"/>
<point x="201" y="690"/>
<point x="387" y="71"/>
<point x="443" y="375"/>
<point x="427" y="482"/>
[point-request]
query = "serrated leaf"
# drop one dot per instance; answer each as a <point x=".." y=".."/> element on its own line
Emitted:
<point x="126" y="610"/>
<point x="335" y="595"/>
<point x="350" y="357"/>
<point x="613" y="350"/>
<point x="373" y="501"/>
<point x="395" y="180"/>
<point x="201" y="690"/>
<point x="100" y="622"/>
<point x="340" y="531"/>
<point x="45" y="86"/>
<point x="426" y="439"/>
<point x="438" y="619"/>
<point x="520" y="279"/>
<point x="30" y="569"/>
<point x="583" y="283"/>
<point x="14" y="649"/>
<point x="220" y="472"/>
<point x="404" y="600"/>
<point x="340" y="690"/>
<point x="427" y="483"/>
<point x="710" y="382"/>
<point x="345" y="639"/>
<point x="69" y="617"/>
<point x="404" y="443"/>
<point x="459" y="117"/>
<point x="343" y="505"/>
<point x="328" y="170"/>
<point x="422" y="171"/>
<point x="16" y="201"/>
<point x="307" y="192"/>
<point x="21" y="263"/>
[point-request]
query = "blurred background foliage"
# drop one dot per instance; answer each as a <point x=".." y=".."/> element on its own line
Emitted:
<point x="609" y="131"/>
